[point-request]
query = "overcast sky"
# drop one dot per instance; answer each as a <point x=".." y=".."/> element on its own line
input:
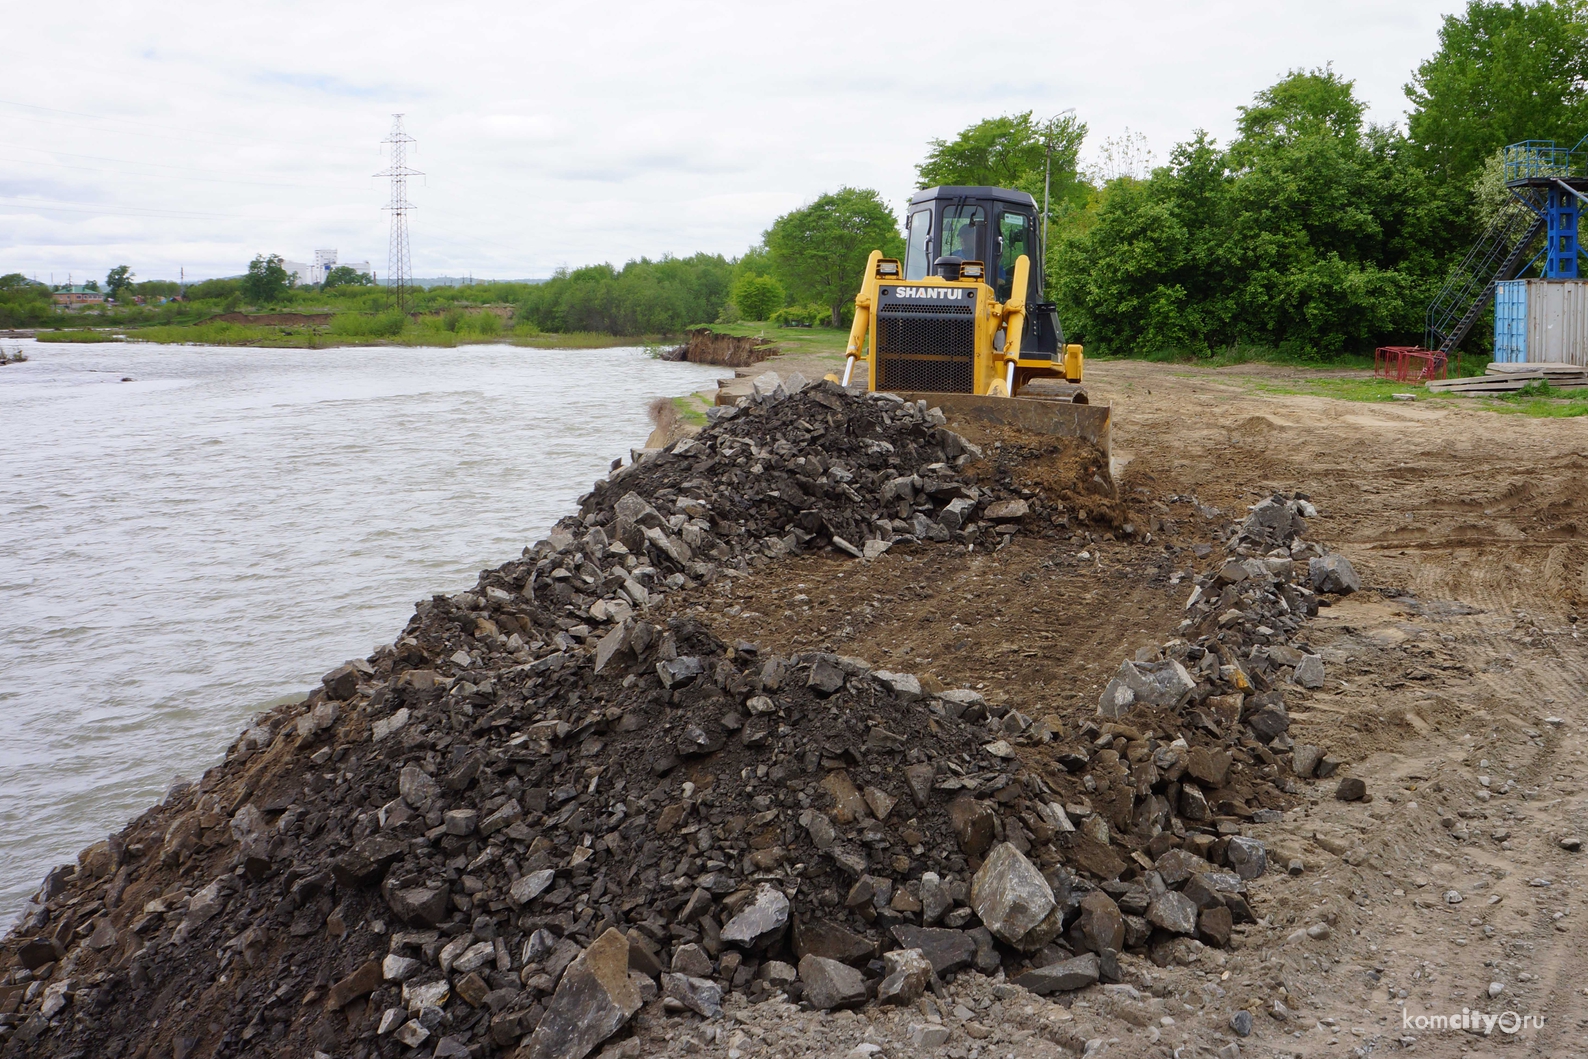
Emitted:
<point x="197" y="135"/>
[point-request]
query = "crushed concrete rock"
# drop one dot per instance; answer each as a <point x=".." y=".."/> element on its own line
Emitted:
<point x="538" y="812"/>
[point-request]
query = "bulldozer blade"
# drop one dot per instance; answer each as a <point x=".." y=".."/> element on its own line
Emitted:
<point x="1089" y="422"/>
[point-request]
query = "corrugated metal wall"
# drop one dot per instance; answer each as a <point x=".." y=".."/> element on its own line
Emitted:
<point x="1510" y="321"/>
<point x="1541" y="321"/>
<point x="1557" y="321"/>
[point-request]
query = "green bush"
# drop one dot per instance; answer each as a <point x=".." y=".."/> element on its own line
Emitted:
<point x="1308" y="235"/>
<point x="645" y="297"/>
<point x="388" y="324"/>
<point x="758" y="297"/>
<point x="802" y="316"/>
<point x="213" y="289"/>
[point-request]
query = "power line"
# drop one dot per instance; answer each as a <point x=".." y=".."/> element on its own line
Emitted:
<point x="102" y="118"/>
<point x="100" y="208"/>
<point x="121" y="126"/>
<point x="182" y="169"/>
<point x="399" y="270"/>
<point x="194" y="180"/>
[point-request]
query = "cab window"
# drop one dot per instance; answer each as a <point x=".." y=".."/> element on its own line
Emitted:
<point x="1014" y="239"/>
<point x="917" y="255"/>
<point x="964" y="233"/>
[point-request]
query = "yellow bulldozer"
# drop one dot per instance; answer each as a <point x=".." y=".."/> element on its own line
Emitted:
<point x="961" y="321"/>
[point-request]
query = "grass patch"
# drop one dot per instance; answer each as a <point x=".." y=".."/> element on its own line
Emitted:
<point x="1343" y="388"/>
<point x="1543" y="401"/>
<point x="1238" y="355"/>
<point x="805" y="341"/>
<point x="80" y="334"/>
<point x="1537" y="399"/>
<point x="691" y="409"/>
<point x="584" y="340"/>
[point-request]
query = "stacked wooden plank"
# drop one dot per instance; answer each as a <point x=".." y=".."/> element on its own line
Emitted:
<point x="1508" y="378"/>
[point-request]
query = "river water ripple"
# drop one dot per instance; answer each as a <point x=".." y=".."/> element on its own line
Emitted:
<point x="178" y="551"/>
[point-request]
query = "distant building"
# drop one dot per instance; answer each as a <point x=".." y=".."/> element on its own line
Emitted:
<point x="304" y="274"/>
<point x="77" y="296"/>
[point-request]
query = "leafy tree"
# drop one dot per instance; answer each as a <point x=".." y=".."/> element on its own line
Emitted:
<point x="91" y="284"/>
<point x="758" y="297"/>
<point x="1306" y="103"/>
<point x="267" y="280"/>
<point x="118" y="280"/>
<point x="348" y="276"/>
<point x="23" y="302"/>
<point x="1011" y="151"/>
<point x="820" y="250"/>
<point x="1504" y="72"/>
<point x="1309" y="234"/>
<point x="754" y="262"/>
<point x="213" y="289"/>
<point x="157" y="288"/>
<point x="644" y="297"/>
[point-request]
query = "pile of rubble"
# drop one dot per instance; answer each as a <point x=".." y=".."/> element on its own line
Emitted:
<point x="539" y="811"/>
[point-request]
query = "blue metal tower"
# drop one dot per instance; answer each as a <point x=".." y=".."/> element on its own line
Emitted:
<point x="1548" y="186"/>
<point x="1557" y="172"/>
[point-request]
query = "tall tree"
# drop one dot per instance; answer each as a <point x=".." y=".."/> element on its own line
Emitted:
<point x="348" y="276"/>
<point x="1310" y="235"/>
<point x="1305" y="103"/>
<point x="1504" y="72"/>
<point x="267" y="280"/>
<point x="1009" y="151"/>
<point x="117" y="280"/>
<point x="820" y="251"/>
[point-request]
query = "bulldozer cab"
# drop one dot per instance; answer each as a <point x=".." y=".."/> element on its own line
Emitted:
<point x="991" y="225"/>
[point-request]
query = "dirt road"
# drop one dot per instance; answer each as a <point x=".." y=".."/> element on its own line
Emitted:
<point x="1457" y="685"/>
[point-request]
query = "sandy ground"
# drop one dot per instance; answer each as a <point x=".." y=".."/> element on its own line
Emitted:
<point x="1458" y="686"/>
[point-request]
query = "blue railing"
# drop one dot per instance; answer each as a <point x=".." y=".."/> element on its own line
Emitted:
<point x="1533" y="159"/>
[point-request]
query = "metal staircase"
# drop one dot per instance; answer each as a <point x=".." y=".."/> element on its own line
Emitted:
<point x="1501" y="254"/>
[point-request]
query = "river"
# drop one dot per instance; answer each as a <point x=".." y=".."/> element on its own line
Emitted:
<point x="189" y="533"/>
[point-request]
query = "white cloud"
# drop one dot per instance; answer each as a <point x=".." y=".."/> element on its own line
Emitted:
<point x="583" y="132"/>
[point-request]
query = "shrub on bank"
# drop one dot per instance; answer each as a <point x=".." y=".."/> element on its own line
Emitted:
<point x="388" y="324"/>
<point x="802" y="316"/>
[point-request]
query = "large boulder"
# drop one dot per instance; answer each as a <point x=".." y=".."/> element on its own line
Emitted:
<point x="366" y="863"/>
<point x="1247" y="856"/>
<point x="700" y="995"/>
<point x="420" y="906"/>
<point x="906" y="974"/>
<point x="1164" y="683"/>
<point x="1014" y="901"/>
<point x="975" y="824"/>
<point x="1275" y="520"/>
<point x="594" y="999"/>
<point x="1101" y="925"/>
<point x="820" y="937"/>
<point x="761" y="921"/>
<point x="830" y="984"/>
<point x="1333" y="573"/>
<point x="946" y="950"/>
<point x="1174" y="912"/>
<point x="1078" y="973"/>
